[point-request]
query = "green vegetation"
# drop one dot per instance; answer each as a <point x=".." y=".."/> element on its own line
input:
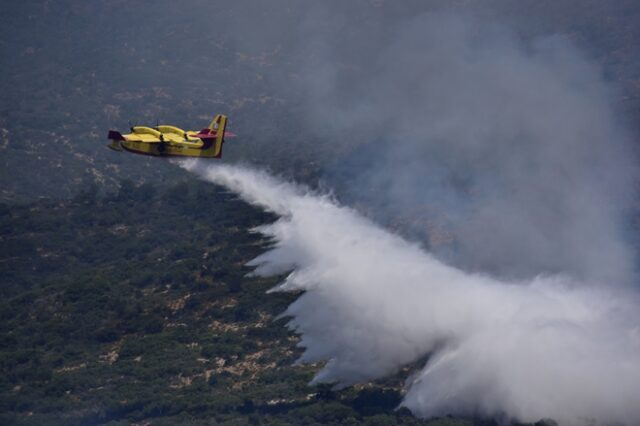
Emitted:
<point x="135" y="307"/>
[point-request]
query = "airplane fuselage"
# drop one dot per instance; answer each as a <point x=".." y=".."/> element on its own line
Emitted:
<point x="172" y="141"/>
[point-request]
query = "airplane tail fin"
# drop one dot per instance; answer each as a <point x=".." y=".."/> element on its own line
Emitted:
<point x="216" y="129"/>
<point x="215" y="123"/>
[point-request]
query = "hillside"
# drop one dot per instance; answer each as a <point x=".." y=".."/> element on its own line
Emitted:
<point x="135" y="307"/>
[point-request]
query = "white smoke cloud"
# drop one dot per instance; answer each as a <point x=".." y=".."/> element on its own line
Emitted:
<point x="514" y="142"/>
<point x="511" y="144"/>
<point x="373" y="302"/>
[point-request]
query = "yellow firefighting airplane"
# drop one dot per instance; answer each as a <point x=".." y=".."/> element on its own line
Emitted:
<point x="164" y="140"/>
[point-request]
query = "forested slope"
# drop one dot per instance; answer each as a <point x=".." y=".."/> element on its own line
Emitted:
<point x="135" y="306"/>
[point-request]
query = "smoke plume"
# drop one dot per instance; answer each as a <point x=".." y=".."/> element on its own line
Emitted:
<point x="509" y="144"/>
<point x="373" y="302"/>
